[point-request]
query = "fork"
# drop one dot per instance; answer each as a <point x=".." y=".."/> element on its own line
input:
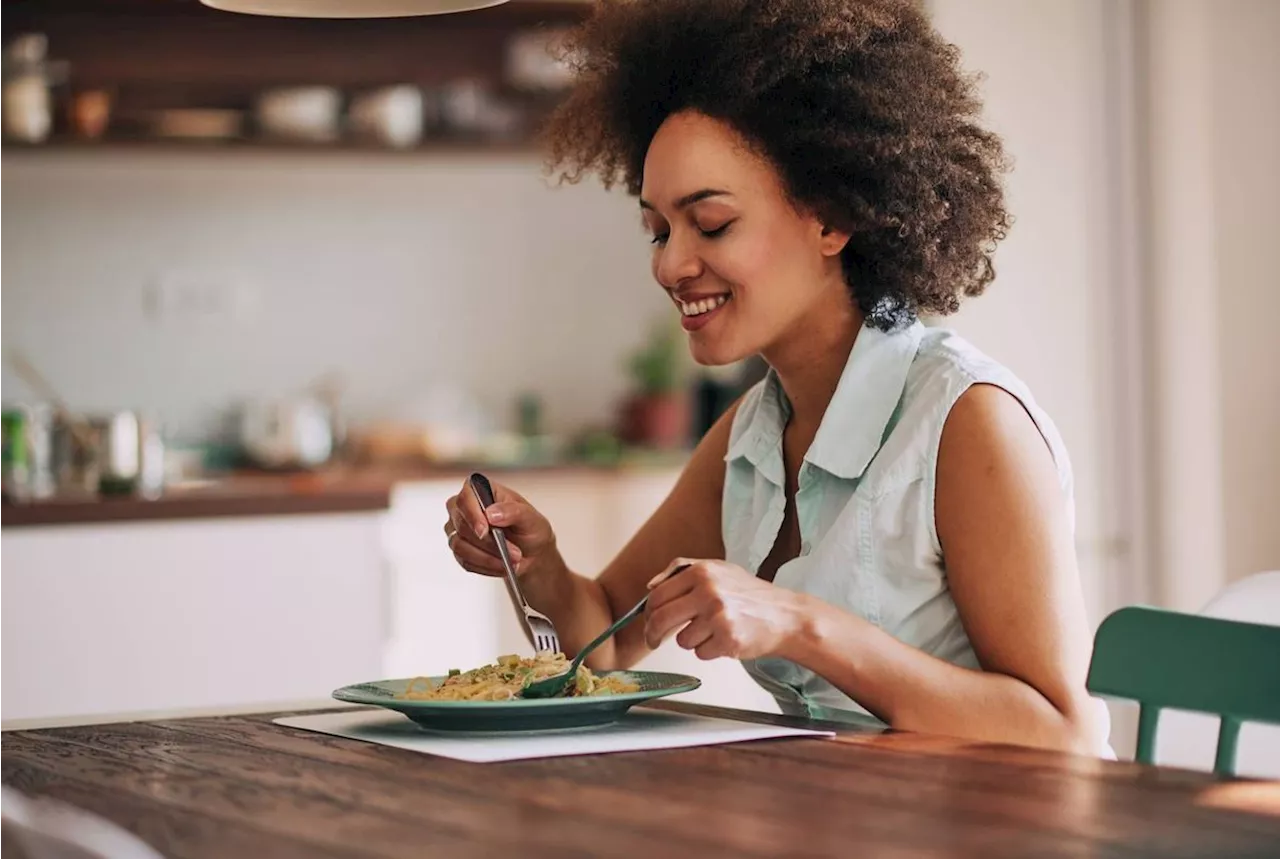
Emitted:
<point x="539" y="629"/>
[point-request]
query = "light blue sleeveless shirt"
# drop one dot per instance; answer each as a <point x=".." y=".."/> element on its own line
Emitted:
<point x="868" y="543"/>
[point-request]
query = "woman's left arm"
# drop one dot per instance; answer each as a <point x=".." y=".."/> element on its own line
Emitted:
<point x="1011" y="566"/>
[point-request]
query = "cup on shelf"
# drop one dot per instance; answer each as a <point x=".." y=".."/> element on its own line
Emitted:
<point x="393" y="116"/>
<point x="469" y="108"/>
<point x="307" y="114"/>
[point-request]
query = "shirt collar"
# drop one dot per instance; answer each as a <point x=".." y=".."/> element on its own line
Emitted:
<point x="765" y="417"/>
<point x="858" y="415"/>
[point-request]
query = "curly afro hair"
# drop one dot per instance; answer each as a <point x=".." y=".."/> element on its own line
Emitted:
<point x="861" y="107"/>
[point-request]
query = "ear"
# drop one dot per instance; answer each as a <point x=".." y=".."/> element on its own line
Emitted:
<point x="832" y="241"/>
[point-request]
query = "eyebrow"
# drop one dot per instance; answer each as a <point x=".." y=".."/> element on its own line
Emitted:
<point x="689" y="199"/>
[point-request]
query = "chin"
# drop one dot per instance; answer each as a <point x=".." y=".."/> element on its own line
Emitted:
<point x="715" y="352"/>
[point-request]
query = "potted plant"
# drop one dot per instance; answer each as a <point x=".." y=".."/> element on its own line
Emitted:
<point x="657" y="412"/>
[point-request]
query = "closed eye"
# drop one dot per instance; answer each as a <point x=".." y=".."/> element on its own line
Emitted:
<point x="661" y="239"/>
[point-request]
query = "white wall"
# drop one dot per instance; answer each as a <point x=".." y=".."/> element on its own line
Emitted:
<point x="1214" y="134"/>
<point x="1047" y="314"/>
<point x="1184" y="304"/>
<point x="400" y="271"/>
<point x="1246" y="172"/>
<point x="1136" y="291"/>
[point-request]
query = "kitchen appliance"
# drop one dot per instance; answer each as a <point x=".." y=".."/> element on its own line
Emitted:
<point x="290" y="433"/>
<point x="349" y="8"/>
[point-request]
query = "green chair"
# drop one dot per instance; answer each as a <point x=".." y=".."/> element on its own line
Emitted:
<point x="1188" y="662"/>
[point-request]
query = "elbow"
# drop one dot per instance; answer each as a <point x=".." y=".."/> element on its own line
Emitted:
<point x="1081" y="739"/>
<point x="1083" y="727"/>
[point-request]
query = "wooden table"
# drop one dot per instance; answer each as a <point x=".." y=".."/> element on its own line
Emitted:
<point x="235" y="786"/>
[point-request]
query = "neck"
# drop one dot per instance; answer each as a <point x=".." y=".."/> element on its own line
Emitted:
<point x="810" y="360"/>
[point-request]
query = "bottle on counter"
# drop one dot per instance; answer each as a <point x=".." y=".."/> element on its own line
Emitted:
<point x="151" y="470"/>
<point x="14" y="471"/>
<point x="28" y="453"/>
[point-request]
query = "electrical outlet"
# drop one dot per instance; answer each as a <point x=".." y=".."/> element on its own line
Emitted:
<point x="199" y="297"/>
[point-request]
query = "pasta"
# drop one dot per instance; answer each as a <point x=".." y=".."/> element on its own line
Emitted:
<point x="506" y="679"/>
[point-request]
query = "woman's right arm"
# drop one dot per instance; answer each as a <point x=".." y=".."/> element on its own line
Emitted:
<point x="686" y="524"/>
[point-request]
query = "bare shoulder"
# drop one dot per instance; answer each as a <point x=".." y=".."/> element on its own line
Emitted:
<point x="1003" y="520"/>
<point x="988" y="429"/>
<point x="997" y="498"/>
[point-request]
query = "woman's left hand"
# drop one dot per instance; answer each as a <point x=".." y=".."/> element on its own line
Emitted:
<point x="720" y="609"/>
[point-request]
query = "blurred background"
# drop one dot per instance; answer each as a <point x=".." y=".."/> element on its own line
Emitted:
<point x="275" y="286"/>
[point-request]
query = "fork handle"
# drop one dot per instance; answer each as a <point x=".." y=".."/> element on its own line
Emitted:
<point x="484" y="494"/>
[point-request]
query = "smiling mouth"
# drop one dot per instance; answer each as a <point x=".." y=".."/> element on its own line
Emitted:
<point x="701" y="306"/>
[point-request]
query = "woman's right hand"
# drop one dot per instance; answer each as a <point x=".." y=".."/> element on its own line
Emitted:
<point x="531" y="544"/>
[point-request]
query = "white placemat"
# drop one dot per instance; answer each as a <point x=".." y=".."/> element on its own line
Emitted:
<point x="638" y="730"/>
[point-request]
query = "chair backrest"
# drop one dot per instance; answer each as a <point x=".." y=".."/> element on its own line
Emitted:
<point x="1168" y="659"/>
<point x="1187" y="739"/>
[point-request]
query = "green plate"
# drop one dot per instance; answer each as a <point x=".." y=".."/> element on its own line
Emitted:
<point x="544" y="714"/>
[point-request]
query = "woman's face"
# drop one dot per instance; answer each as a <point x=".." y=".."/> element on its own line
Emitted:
<point x="745" y="268"/>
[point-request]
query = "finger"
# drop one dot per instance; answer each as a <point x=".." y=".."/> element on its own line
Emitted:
<point x="714" y="647"/>
<point x="465" y="537"/>
<point x="517" y="518"/>
<point x="465" y="534"/>
<point x="489" y="548"/>
<point x="665" y="620"/>
<point x="695" y="634"/>
<point x="673" y="587"/>
<point x="457" y="519"/>
<point x="475" y="560"/>
<point x="676" y="566"/>
<point x="458" y="539"/>
<point x="470" y="513"/>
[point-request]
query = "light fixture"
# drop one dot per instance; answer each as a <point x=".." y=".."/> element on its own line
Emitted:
<point x="349" y="8"/>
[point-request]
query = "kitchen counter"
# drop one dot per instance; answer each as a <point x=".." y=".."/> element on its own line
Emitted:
<point x="345" y="489"/>
<point x="231" y="496"/>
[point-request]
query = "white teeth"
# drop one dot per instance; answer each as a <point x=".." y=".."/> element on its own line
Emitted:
<point x="697" y="308"/>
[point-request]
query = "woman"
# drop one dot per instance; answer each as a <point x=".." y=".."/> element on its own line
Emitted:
<point x="884" y="524"/>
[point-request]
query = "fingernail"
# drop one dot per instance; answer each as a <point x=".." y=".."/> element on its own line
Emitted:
<point x="480" y="528"/>
<point x="494" y="514"/>
<point x="657" y="580"/>
<point x="514" y="553"/>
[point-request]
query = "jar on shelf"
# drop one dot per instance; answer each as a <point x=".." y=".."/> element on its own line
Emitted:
<point x="28" y="80"/>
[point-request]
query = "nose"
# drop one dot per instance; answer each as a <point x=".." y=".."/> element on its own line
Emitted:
<point x="676" y="262"/>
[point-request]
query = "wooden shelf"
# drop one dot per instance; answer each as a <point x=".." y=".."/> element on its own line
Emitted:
<point x="180" y="44"/>
<point x="155" y="55"/>
<point x="166" y="147"/>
